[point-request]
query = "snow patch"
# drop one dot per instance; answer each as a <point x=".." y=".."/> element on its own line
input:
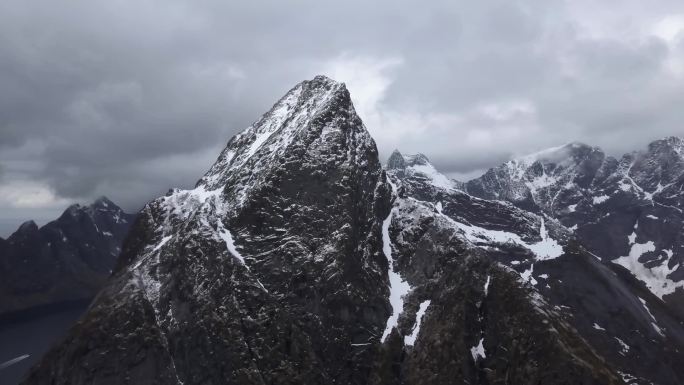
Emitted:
<point x="632" y="238"/>
<point x="653" y="319"/>
<point x="598" y="327"/>
<point x="478" y="351"/>
<point x="162" y="243"/>
<point x="656" y="277"/>
<point x="527" y="275"/>
<point x="398" y="287"/>
<point x="230" y="243"/>
<point x="411" y="339"/>
<point x="546" y="249"/>
<point x="436" y="178"/>
<point x="625" y="347"/>
<point x="627" y="378"/>
<point x="600" y="199"/>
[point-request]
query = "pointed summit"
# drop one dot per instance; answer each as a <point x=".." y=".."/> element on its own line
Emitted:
<point x="396" y="161"/>
<point x="104" y="202"/>
<point x="310" y="101"/>
<point x="27" y="227"/>
<point x="315" y="121"/>
<point x="292" y="209"/>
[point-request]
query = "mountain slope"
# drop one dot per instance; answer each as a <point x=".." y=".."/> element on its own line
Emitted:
<point x="297" y="259"/>
<point x="67" y="259"/>
<point x="622" y="323"/>
<point x="629" y="211"/>
<point x="268" y="271"/>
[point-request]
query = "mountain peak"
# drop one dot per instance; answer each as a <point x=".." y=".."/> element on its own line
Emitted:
<point x="322" y="80"/>
<point x="28" y="226"/>
<point x="311" y="110"/>
<point x="570" y="151"/>
<point x="671" y="143"/>
<point x="104" y="203"/>
<point x="73" y="209"/>
<point x="396" y="161"/>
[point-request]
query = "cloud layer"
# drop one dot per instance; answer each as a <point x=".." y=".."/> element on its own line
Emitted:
<point x="129" y="98"/>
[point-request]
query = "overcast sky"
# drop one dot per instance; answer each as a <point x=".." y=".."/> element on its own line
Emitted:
<point x="130" y="98"/>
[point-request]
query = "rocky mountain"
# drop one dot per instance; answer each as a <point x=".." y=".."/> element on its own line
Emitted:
<point x="629" y="328"/>
<point x="68" y="259"/>
<point x="628" y="211"/>
<point x="297" y="259"/>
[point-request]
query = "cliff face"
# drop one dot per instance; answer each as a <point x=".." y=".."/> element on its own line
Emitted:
<point x="269" y="271"/>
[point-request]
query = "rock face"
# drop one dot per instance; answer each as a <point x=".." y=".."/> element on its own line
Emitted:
<point x="574" y="293"/>
<point x="297" y="259"/>
<point x="269" y="271"/>
<point x="628" y="211"/>
<point x="68" y="259"/>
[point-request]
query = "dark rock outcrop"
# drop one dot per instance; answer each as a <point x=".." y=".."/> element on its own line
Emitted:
<point x="68" y="259"/>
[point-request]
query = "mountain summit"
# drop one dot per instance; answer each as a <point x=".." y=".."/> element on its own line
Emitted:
<point x="628" y="211"/>
<point x="269" y="271"/>
<point x="297" y="259"/>
<point x="67" y="259"/>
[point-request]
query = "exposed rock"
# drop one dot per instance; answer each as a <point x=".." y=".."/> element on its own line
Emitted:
<point x="67" y="259"/>
<point x="297" y="260"/>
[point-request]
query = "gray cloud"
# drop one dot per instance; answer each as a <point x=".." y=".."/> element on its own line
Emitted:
<point x="131" y="98"/>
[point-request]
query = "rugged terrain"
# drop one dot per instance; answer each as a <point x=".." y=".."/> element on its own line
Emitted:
<point x="629" y="327"/>
<point x="297" y="259"/>
<point x="68" y="259"/>
<point x="628" y="211"/>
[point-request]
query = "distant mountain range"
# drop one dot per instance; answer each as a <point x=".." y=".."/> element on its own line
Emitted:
<point x="299" y="259"/>
<point x="68" y="259"/>
<point x="627" y="211"/>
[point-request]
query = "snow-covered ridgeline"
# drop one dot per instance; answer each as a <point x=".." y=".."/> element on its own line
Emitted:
<point x="255" y="149"/>
<point x="436" y="178"/>
<point x="547" y="248"/>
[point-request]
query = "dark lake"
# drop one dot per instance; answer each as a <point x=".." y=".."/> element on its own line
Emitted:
<point x="32" y="333"/>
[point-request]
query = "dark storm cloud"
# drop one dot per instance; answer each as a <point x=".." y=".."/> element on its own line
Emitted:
<point x="130" y="98"/>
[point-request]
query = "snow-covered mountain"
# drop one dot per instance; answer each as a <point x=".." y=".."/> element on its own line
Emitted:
<point x="68" y="259"/>
<point x="628" y="211"/>
<point x="298" y="259"/>
<point x="630" y="328"/>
